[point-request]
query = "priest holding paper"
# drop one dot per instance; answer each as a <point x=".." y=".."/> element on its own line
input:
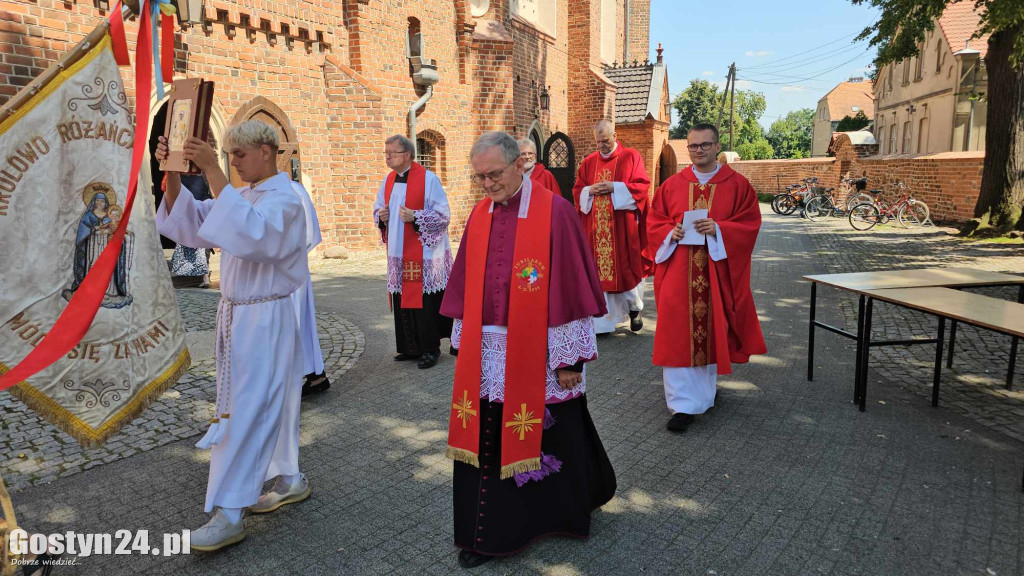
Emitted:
<point x="611" y="196"/>
<point x="260" y="229"/>
<point x="702" y="229"/>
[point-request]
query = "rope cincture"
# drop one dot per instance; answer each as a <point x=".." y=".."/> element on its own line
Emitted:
<point x="225" y="314"/>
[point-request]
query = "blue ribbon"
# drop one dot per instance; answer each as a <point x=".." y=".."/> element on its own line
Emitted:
<point x="154" y="9"/>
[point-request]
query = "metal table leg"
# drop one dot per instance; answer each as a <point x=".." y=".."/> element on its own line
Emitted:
<point x="860" y="348"/>
<point x="810" y="332"/>
<point x="938" y="362"/>
<point x="1013" y="345"/>
<point x="952" y="343"/>
<point x="865" y="354"/>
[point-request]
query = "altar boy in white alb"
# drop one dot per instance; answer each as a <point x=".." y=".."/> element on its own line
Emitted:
<point x="260" y="229"/>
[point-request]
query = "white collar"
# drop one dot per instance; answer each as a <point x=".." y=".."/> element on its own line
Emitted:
<point x="609" y="155"/>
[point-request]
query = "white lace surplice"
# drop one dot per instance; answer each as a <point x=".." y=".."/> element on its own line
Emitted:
<point x="567" y="345"/>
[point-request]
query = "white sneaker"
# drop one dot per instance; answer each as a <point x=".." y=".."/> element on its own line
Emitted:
<point x="217" y="533"/>
<point x="282" y="494"/>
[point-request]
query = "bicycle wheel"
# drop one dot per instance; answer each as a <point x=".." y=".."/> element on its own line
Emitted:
<point x="775" y="204"/>
<point x="864" y="216"/>
<point x="818" y="208"/>
<point x="913" y="214"/>
<point x="787" y="204"/>
<point x="859" y="198"/>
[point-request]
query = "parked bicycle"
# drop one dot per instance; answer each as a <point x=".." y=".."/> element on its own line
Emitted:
<point x="907" y="210"/>
<point x="826" y="205"/>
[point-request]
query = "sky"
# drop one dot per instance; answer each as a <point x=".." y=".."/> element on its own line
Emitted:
<point x="793" y="51"/>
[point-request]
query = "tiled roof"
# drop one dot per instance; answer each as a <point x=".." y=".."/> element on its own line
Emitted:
<point x="958" y="23"/>
<point x="637" y="91"/>
<point x="844" y="97"/>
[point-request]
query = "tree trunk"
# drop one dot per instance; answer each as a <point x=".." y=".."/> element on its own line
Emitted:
<point x="1001" y="198"/>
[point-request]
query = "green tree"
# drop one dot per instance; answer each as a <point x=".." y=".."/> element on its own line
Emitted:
<point x="898" y="34"/>
<point x="757" y="150"/>
<point x="702" y="101"/>
<point x="851" y="123"/>
<point x="790" y="136"/>
<point x="698" y="103"/>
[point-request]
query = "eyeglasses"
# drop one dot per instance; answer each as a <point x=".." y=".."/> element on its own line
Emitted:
<point x="705" y="146"/>
<point x="529" y="154"/>
<point x="492" y="176"/>
<point x="390" y="154"/>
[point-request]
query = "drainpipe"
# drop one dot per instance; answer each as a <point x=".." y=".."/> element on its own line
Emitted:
<point x="412" y="117"/>
<point x="424" y="73"/>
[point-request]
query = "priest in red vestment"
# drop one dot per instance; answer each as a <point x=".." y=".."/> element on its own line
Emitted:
<point x="611" y="194"/>
<point x="706" y="314"/>
<point x="524" y="294"/>
<point x="534" y="170"/>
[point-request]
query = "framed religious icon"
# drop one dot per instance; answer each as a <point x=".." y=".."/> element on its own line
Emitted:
<point x="188" y="114"/>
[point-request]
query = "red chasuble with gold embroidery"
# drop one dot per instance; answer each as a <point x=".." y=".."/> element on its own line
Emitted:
<point x="618" y="238"/>
<point x="706" y="312"/>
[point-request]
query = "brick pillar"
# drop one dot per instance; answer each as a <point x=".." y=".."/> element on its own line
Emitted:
<point x="639" y="30"/>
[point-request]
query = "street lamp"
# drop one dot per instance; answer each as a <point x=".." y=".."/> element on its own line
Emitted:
<point x="545" y="99"/>
<point x="190" y="12"/>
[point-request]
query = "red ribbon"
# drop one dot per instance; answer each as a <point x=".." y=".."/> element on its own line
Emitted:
<point x="167" y="47"/>
<point x="118" y="41"/>
<point x="74" y="322"/>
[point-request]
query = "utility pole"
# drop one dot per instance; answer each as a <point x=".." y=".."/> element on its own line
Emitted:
<point x="732" y="107"/>
<point x="730" y="85"/>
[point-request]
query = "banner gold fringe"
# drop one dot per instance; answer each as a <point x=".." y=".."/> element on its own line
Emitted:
<point x="462" y="455"/>
<point x="528" y="465"/>
<point x="85" y="434"/>
<point x="7" y="523"/>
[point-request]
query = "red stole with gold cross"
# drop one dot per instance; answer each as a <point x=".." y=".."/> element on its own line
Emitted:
<point x="526" y="351"/>
<point x="412" y="248"/>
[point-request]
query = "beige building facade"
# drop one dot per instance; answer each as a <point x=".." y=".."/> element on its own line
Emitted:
<point x="935" y="102"/>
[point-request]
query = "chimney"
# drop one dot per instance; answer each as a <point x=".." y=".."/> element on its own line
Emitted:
<point x="660" y="50"/>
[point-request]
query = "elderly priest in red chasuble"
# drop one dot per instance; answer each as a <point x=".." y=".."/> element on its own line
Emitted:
<point x="524" y="293"/>
<point x="706" y="314"/>
<point x="611" y="194"/>
<point x="534" y="170"/>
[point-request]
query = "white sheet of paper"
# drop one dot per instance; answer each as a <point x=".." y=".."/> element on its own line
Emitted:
<point x="691" y="236"/>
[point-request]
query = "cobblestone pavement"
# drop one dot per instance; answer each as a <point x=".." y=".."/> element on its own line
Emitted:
<point x="975" y="385"/>
<point x="36" y="452"/>
<point x="781" y="477"/>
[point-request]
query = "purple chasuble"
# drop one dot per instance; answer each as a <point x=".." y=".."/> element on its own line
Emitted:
<point x="574" y="292"/>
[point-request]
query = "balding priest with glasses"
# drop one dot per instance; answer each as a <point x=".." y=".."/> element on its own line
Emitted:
<point x="702" y="228"/>
<point x="524" y="294"/>
<point x="611" y="194"/>
<point x="412" y="213"/>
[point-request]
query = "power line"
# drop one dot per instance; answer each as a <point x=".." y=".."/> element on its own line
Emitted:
<point x="805" y="62"/>
<point x="804" y="79"/>
<point x="804" y="53"/>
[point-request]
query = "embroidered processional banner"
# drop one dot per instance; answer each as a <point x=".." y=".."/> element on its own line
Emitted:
<point x="65" y="158"/>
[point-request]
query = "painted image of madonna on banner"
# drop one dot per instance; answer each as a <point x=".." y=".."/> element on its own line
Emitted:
<point x="98" y="222"/>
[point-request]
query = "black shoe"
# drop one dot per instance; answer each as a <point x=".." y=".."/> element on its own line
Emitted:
<point x="315" y="383"/>
<point x="428" y="360"/>
<point x="636" y="323"/>
<point x="680" y="422"/>
<point x="404" y="357"/>
<point x="469" y="559"/>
